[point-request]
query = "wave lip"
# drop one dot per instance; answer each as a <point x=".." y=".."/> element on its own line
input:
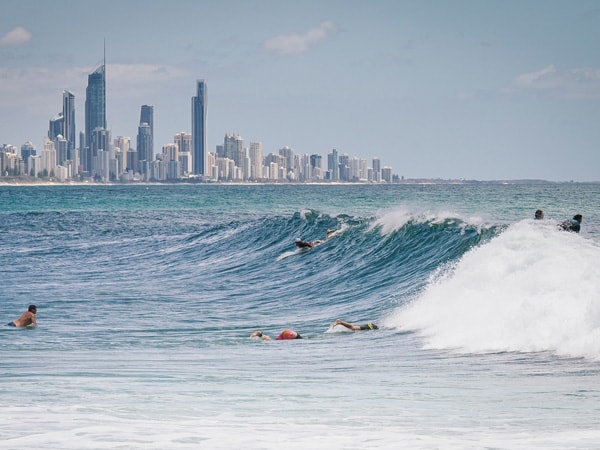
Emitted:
<point x="533" y="288"/>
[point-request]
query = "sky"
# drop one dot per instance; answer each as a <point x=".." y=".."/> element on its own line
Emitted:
<point x="480" y="90"/>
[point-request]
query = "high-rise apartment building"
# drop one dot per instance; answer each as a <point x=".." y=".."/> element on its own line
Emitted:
<point x="61" y="145"/>
<point x="147" y="116"/>
<point x="100" y="146"/>
<point x="199" y="135"/>
<point x="69" y="124"/>
<point x="184" y="143"/>
<point x="316" y="167"/>
<point x="95" y="104"/>
<point x="144" y="142"/>
<point x="27" y="150"/>
<point x="333" y="166"/>
<point x="288" y="155"/>
<point x="55" y="127"/>
<point x="256" y="161"/>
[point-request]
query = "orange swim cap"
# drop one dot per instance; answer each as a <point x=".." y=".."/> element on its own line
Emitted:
<point x="287" y="334"/>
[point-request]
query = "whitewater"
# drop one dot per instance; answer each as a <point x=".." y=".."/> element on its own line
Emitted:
<point x="489" y="321"/>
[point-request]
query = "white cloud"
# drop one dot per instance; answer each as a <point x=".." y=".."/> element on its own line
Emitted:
<point x="15" y="37"/>
<point x="581" y="82"/>
<point x="141" y="74"/>
<point x="542" y="79"/>
<point x="289" y="44"/>
<point x="39" y="85"/>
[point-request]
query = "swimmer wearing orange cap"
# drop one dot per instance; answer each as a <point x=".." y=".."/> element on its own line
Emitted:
<point x="288" y="334"/>
<point x="284" y="335"/>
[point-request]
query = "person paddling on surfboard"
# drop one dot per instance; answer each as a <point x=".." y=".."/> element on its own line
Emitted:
<point x="304" y="244"/>
<point x="26" y="319"/>
<point x="350" y="326"/>
<point x="309" y="244"/>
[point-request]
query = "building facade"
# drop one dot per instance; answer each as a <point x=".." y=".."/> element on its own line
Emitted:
<point x="95" y="104"/>
<point x="199" y="135"/>
<point x="147" y="117"/>
<point x="68" y="131"/>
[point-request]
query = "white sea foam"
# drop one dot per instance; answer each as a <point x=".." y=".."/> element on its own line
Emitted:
<point x="533" y="288"/>
<point x="394" y="219"/>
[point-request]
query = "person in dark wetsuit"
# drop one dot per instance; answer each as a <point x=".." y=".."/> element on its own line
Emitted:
<point x="539" y="214"/>
<point x="573" y="225"/>
<point x="350" y="326"/>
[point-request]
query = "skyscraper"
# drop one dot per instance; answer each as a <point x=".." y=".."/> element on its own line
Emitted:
<point x="256" y="160"/>
<point x="27" y="150"/>
<point x="147" y="116"/>
<point x="333" y="165"/>
<point x="184" y="142"/>
<point x="69" y="123"/>
<point x="199" y="104"/>
<point x="56" y="126"/>
<point x="95" y="103"/>
<point x="144" y="143"/>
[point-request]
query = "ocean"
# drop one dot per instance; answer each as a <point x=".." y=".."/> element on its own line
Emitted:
<point x="489" y="321"/>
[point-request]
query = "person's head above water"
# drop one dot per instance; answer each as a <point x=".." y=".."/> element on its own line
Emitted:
<point x="288" y="334"/>
<point x="578" y="217"/>
<point x="539" y="214"/>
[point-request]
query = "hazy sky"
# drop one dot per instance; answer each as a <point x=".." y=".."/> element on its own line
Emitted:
<point x="439" y="89"/>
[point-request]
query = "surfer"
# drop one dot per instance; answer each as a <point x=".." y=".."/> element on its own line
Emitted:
<point x="26" y="319"/>
<point x="284" y="335"/>
<point x="573" y="225"/>
<point x="305" y="244"/>
<point x="350" y="326"/>
<point x="539" y="214"/>
<point x="309" y="244"/>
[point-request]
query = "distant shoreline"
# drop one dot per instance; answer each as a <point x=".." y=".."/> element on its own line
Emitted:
<point x="17" y="181"/>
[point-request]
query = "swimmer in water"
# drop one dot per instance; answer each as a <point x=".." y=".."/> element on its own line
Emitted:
<point x="350" y="326"/>
<point x="284" y="335"/>
<point x="288" y="334"/>
<point x="259" y="334"/>
<point x="27" y="318"/>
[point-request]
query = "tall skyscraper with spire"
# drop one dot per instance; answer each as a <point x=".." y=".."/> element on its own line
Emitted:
<point x="95" y="104"/>
<point x="199" y="104"/>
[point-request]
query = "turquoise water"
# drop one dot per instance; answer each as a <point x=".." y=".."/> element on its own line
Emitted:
<point x="146" y="295"/>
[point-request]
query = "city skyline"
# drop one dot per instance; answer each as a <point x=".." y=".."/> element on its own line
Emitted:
<point x="101" y="158"/>
<point x="451" y="90"/>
